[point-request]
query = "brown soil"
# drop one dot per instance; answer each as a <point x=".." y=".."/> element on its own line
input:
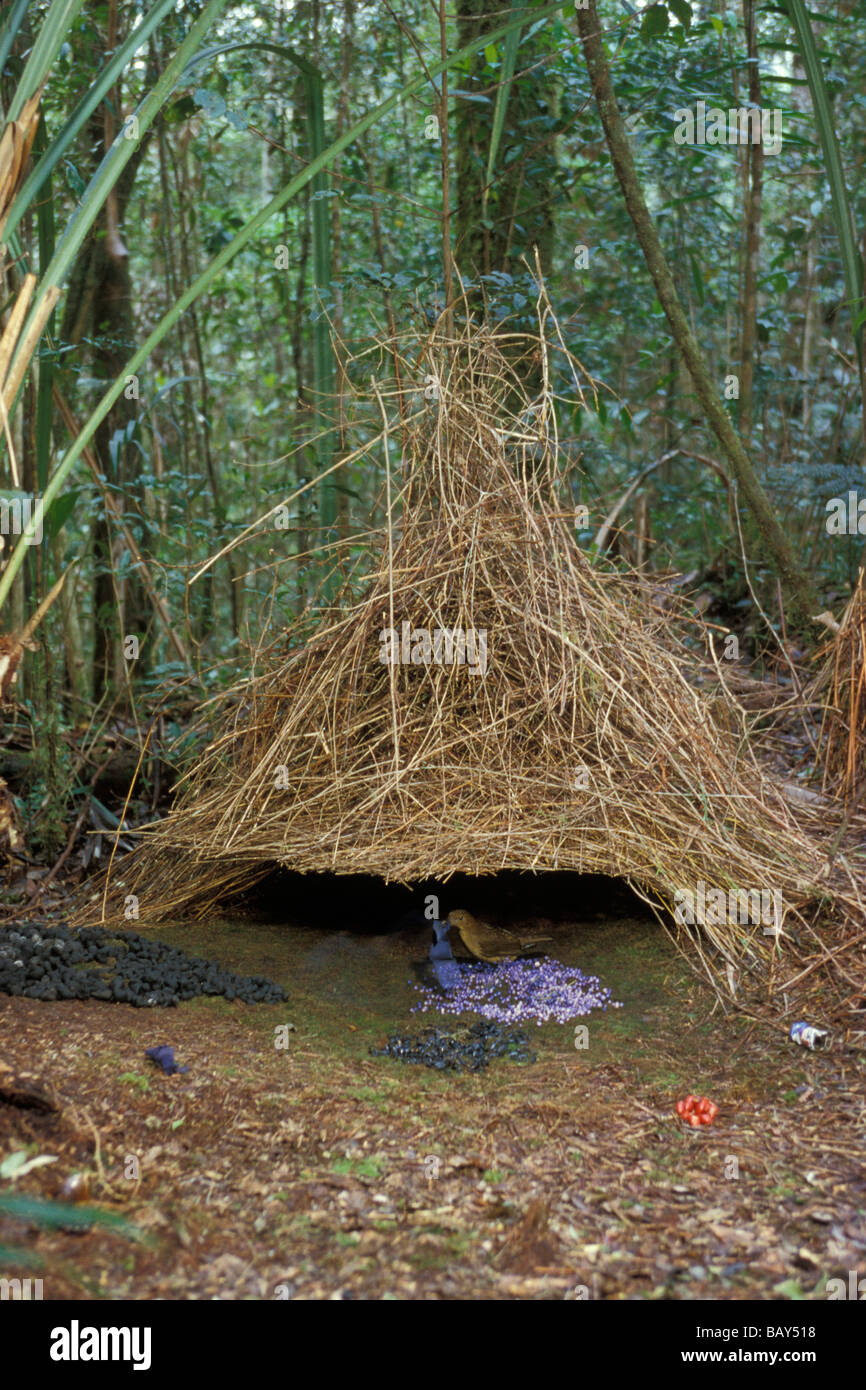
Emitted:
<point x="317" y="1171"/>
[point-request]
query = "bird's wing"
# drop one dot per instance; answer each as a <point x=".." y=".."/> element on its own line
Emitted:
<point x="472" y="945"/>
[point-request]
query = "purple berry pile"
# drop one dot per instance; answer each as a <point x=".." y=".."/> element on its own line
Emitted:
<point x="540" y="990"/>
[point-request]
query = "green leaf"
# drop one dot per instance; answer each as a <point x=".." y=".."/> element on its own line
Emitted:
<point x="491" y="53"/>
<point x="509" y="62"/>
<point x="655" y="21"/>
<point x="683" y="11"/>
<point x="211" y="103"/>
<point x="62" y="511"/>
<point x="179" y="110"/>
<point x="45" y="390"/>
<point x="51" y="36"/>
<point x="10" y="29"/>
<point x="48" y="1214"/>
<point x="74" y="179"/>
<point x="697" y="278"/>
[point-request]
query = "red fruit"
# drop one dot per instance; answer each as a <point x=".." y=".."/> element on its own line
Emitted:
<point x="697" y="1110"/>
<point x="707" y="1110"/>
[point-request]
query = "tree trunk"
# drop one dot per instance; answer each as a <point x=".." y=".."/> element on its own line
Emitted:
<point x="796" y="585"/>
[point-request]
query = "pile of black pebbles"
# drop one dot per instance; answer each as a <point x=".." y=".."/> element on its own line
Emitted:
<point x="42" y="962"/>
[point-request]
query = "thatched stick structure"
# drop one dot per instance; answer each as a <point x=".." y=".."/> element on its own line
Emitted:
<point x="493" y="700"/>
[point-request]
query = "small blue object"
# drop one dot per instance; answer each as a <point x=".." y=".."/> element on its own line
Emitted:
<point x="445" y="967"/>
<point x="808" y="1036"/>
<point x="164" y="1057"/>
<point x="441" y="948"/>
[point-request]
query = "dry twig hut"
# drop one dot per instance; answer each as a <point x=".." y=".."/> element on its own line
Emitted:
<point x="493" y="700"/>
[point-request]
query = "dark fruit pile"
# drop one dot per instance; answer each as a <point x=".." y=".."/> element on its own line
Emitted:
<point x="468" y="1051"/>
<point x="44" y="962"/>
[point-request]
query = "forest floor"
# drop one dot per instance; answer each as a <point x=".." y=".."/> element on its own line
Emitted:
<point x="317" y="1171"/>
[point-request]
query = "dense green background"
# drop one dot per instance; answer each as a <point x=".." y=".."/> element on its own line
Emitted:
<point x="222" y="422"/>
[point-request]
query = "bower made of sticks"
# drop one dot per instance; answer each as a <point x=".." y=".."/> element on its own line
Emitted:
<point x="492" y="701"/>
<point x="841" y="689"/>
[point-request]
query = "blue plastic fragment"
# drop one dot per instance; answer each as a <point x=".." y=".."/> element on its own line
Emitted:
<point x="164" y="1057"/>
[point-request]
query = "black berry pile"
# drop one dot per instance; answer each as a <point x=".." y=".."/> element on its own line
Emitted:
<point x="470" y="1050"/>
<point x="44" y="962"/>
